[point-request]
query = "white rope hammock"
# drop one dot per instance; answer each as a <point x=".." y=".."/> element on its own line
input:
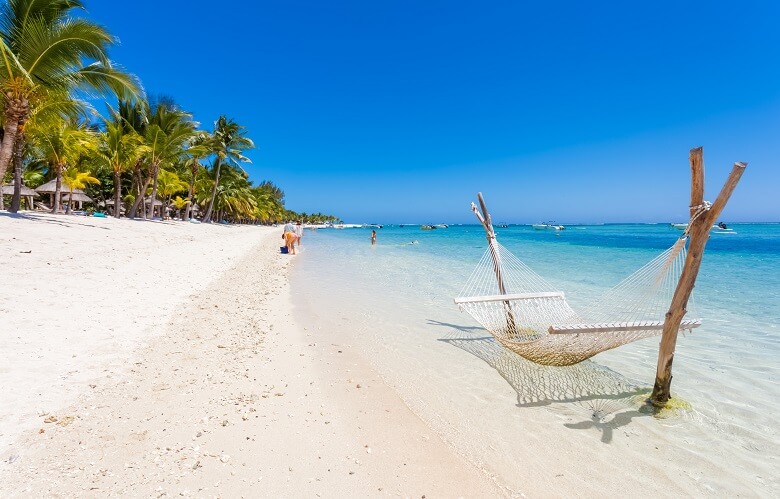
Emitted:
<point x="528" y="316"/>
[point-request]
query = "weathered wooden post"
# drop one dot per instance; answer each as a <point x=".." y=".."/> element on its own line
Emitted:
<point x="487" y="223"/>
<point x="703" y="216"/>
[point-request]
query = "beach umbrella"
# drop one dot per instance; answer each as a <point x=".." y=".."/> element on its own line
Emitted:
<point x="8" y="190"/>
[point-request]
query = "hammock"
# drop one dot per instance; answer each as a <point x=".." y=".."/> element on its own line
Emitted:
<point x="529" y="317"/>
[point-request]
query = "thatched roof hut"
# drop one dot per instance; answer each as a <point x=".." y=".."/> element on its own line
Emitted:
<point x="77" y="196"/>
<point x="50" y="186"/>
<point x="8" y="190"/>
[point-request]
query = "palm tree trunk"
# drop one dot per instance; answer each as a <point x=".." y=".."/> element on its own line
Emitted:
<point x="137" y="183"/>
<point x="207" y="216"/>
<point x="189" y="196"/>
<point x="139" y="199"/>
<point x="16" y="200"/>
<point x="155" y="176"/>
<point x="117" y="193"/>
<point x="70" y="201"/>
<point x="16" y="111"/>
<point x="6" y="149"/>
<point x="57" y="189"/>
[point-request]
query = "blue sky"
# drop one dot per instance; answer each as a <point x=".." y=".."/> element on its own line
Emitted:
<point x="400" y="111"/>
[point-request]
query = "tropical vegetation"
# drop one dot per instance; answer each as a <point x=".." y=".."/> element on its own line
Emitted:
<point x="144" y="157"/>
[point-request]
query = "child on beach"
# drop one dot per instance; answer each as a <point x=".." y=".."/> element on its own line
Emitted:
<point x="373" y="237"/>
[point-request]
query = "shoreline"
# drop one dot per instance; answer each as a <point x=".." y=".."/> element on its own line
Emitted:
<point x="498" y="410"/>
<point x="234" y="394"/>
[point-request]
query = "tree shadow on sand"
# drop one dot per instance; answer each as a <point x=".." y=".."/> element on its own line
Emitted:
<point x="60" y="219"/>
<point x="610" y="399"/>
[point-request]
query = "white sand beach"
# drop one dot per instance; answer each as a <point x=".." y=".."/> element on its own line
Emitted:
<point x="154" y="359"/>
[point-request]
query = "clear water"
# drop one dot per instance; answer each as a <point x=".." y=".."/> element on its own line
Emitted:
<point x="393" y="302"/>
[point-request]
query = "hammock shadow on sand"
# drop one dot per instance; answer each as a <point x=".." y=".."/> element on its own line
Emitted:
<point x="610" y="399"/>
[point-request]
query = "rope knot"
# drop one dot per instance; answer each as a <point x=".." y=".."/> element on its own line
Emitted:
<point x="704" y="206"/>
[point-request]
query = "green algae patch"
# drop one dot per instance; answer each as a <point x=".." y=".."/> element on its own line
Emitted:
<point x="674" y="407"/>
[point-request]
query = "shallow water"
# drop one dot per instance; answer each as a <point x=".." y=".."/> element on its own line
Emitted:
<point x="393" y="302"/>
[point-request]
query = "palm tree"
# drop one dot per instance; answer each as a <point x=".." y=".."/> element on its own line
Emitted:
<point x="268" y="206"/>
<point x="119" y="148"/>
<point x="34" y="174"/>
<point x="75" y="179"/>
<point x="169" y="184"/>
<point x="197" y="150"/>
<point x="227" y="144"/>
<point x="234" y="197"/>
<point x="134" y="117"/>
<point x="178" y="202"/>
<point x="61" y="143"/>
<point x="168" y="132"/>
<point x="43" y="51"/>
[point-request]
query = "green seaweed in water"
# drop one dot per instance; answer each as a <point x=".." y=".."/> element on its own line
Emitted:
<point x="674" y="406"/>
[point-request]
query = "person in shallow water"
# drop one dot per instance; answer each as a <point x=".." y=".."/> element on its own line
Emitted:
<point x="373" y="237"/>
<point x="299" y="232"/>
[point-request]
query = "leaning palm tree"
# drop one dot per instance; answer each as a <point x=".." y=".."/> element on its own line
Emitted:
<point x="227" y="144"/>
<point x="53" y="106"/>
<point x="74" y="179"/>
<point x="45" y="52"/>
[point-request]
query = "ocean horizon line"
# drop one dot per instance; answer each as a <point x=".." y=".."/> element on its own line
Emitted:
<point x="520" y="224"/>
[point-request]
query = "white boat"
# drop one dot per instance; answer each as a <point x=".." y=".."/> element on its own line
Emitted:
<point x="717" y="228"/>
<point x="721" y="228"/>
<point x="442" y="226"/>
<point x="548" y="226"/>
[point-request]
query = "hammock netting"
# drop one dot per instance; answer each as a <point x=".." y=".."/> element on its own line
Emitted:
<point x="529" y="317"/>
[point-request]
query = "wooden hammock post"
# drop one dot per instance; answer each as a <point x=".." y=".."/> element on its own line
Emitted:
<point x="487" y="223"/>
<point x="702" y="218"/>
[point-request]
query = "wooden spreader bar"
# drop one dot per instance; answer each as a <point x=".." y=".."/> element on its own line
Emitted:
<point x="609" y="327"/>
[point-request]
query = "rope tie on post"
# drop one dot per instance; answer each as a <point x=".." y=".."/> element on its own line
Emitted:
<point x="700" y="209"/>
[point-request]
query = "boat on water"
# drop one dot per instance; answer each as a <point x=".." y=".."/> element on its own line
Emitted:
<point x="548" y="226"/>
<point x="718" y="228"/>
<point x="372" y="226"/>
<point x="428" y="227"/>
<point x="441" y="226"/>
<point x="722" y="228"/>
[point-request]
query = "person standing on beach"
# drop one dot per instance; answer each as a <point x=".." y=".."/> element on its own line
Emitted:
<point x="299" y="232"/>
<point x="373" y="237"/>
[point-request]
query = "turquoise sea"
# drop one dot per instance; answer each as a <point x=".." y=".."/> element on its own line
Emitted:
<point x="393" y="303"/>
